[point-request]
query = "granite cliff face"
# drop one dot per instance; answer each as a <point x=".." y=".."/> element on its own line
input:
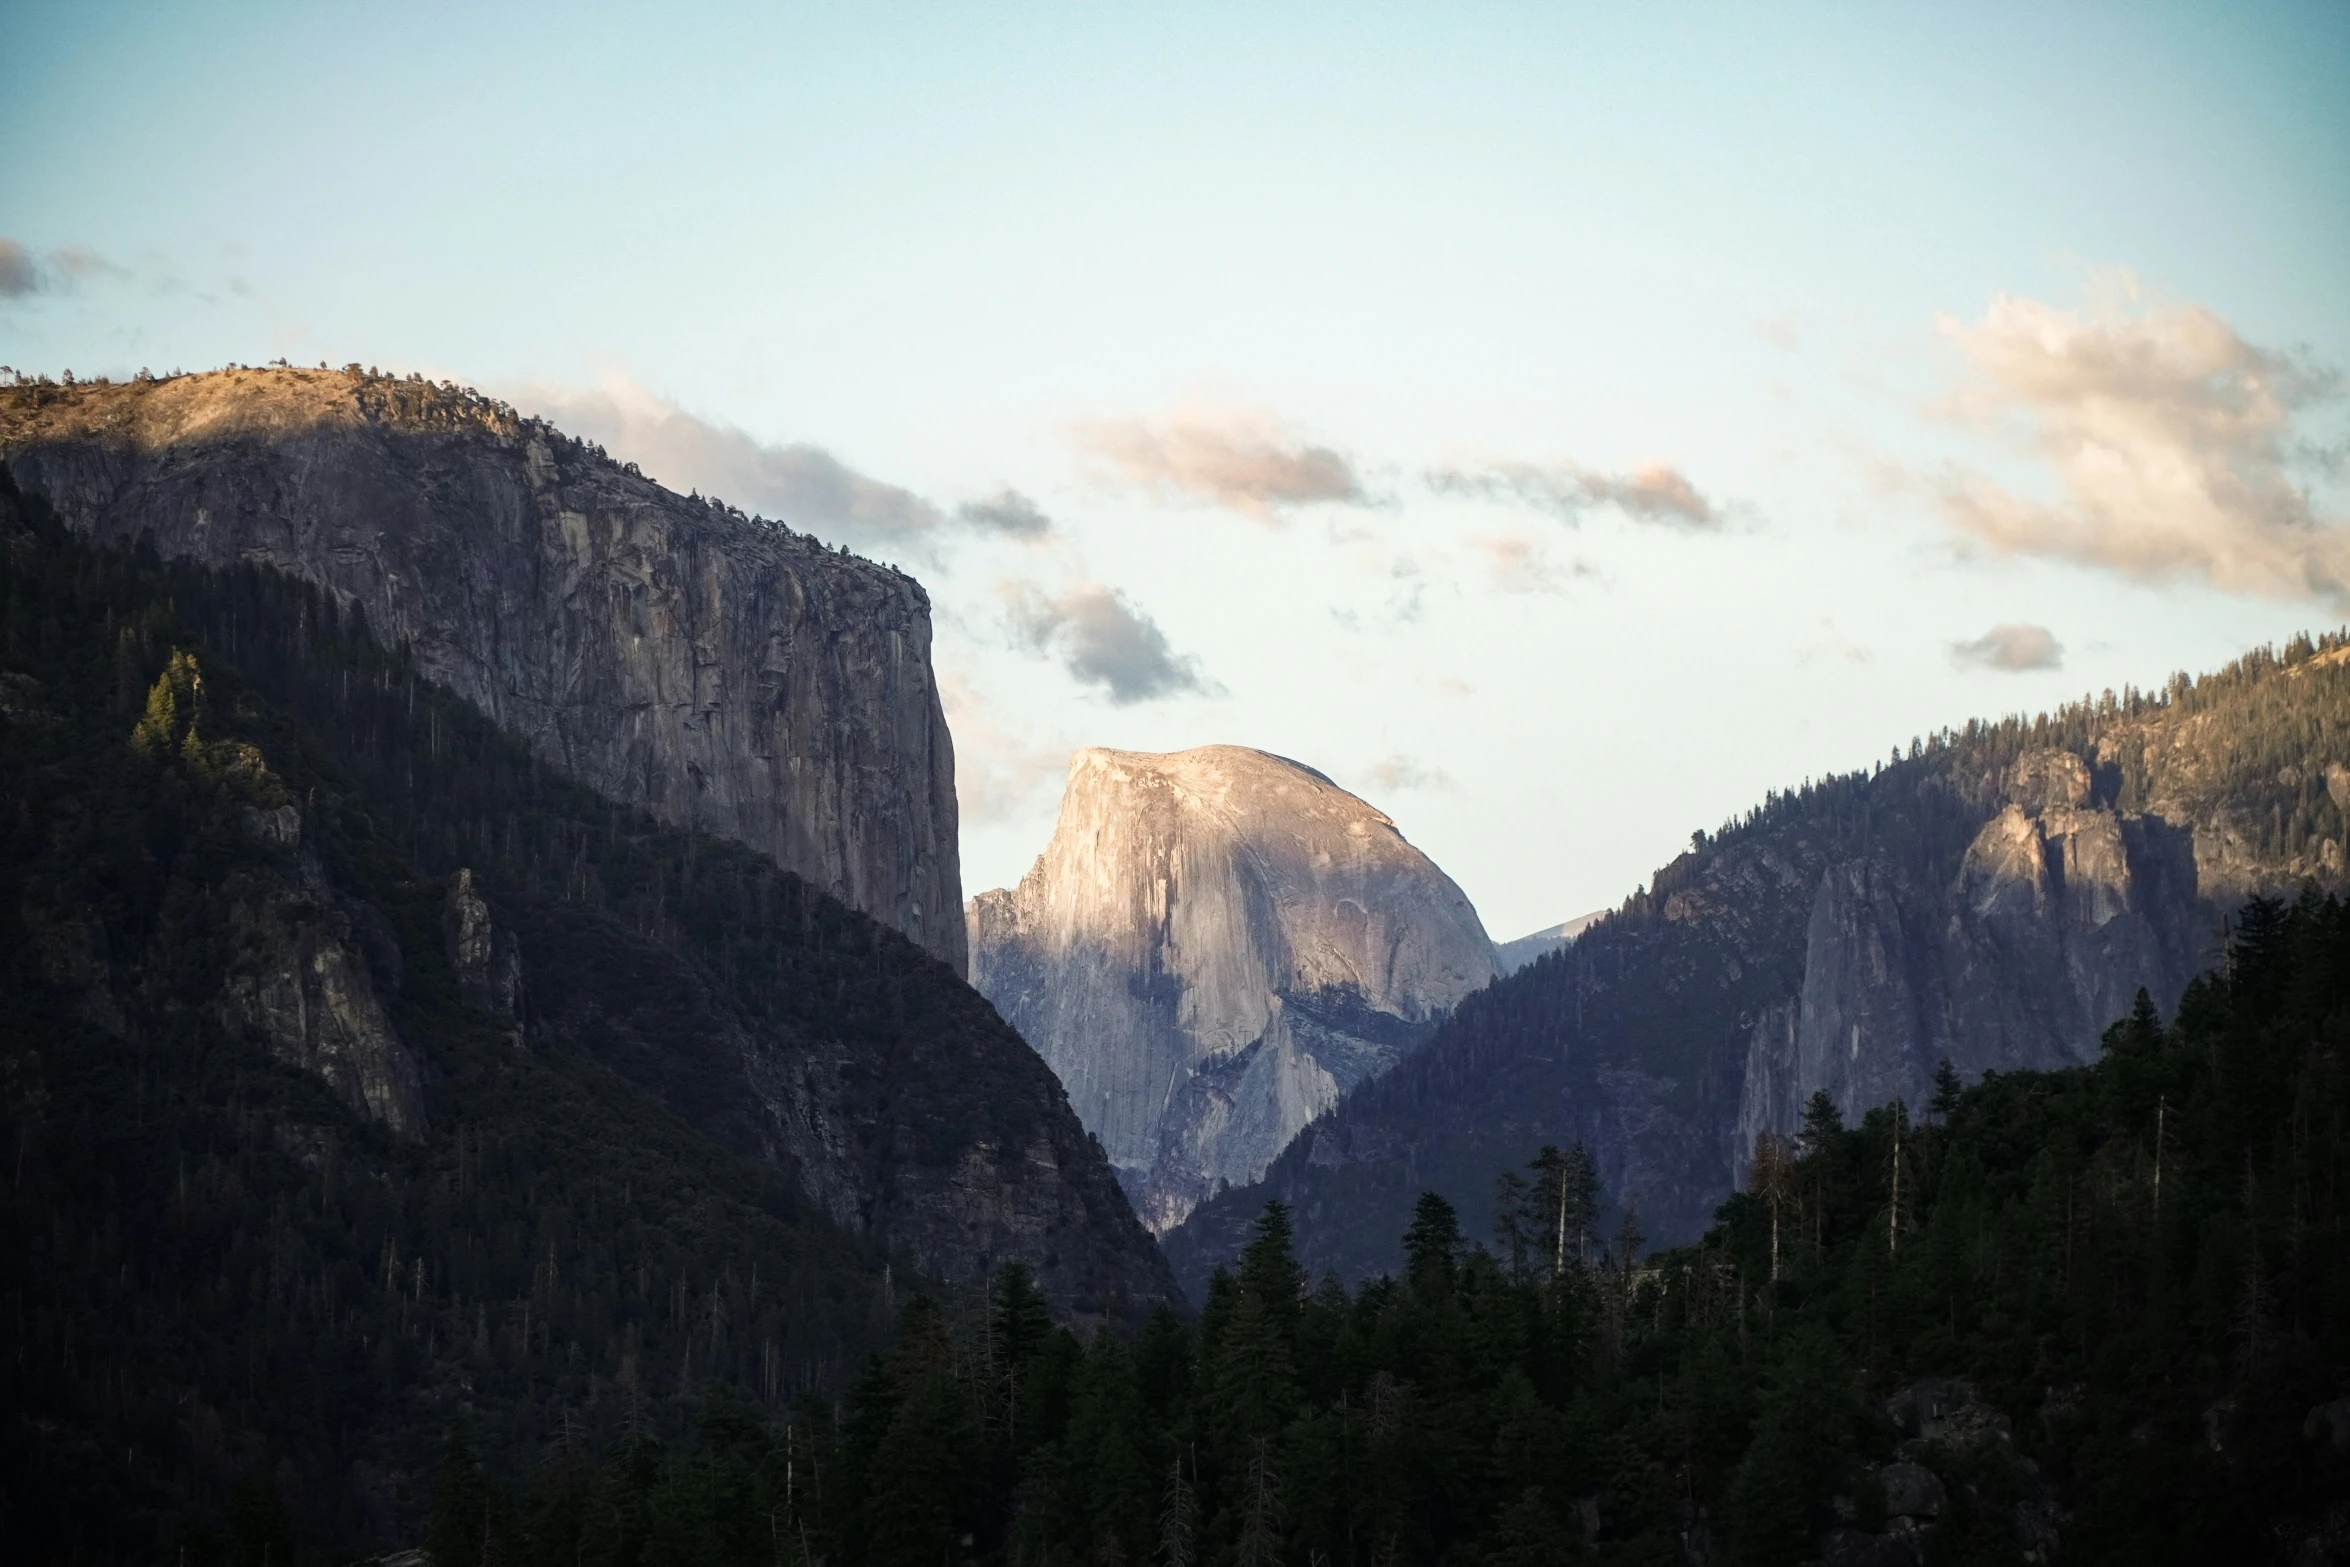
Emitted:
<point x="1215" y="946"/>
<point x="729" y="676"/>
<point x="1997" y="900"/>
<point x="386" y="887"/>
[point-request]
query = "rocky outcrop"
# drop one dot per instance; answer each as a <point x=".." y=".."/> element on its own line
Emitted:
<point x="309" y="972"/>
<point x="729" y="675"/>
<point x="481" y="952"/>
<point x="297" y="983"/>
<point x="1215" y="946"/>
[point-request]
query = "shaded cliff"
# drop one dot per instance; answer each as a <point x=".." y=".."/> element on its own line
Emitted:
<point x="728" y="675"/>
<point x="1214" y="947"/>
<point x="1993" y="899"/>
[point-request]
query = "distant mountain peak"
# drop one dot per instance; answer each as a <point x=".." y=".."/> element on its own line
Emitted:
<point x="1215" y="946"/>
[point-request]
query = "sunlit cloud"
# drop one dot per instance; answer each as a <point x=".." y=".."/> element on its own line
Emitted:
<point x="1102" y="639"/>
<point x="1243" y="460"/>
<point x="2169" y="437"/>
<point x="2012" y="648"/>
<point x="1655" y="493"/>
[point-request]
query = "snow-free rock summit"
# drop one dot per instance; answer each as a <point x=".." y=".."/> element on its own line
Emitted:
<point x="728" y="675"/>
<point x="1214" y="947"/>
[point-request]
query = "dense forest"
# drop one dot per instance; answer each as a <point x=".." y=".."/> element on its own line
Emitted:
<point x="221" y="1279"/>
<point x="2094" y="1315"/>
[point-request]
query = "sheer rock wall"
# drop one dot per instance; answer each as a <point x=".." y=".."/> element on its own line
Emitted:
<point x="727" y="675"/>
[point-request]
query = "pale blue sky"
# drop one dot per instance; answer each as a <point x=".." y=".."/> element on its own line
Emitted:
<point x="965" y="247"/>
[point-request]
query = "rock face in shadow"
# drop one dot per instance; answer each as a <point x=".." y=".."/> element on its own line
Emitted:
<point x="1997" y="901"/>
<point x="730" y="676"/>
<point x="300" y="981"/>
<point x="2061" y="910"/>
<point x="1215" y="946"/>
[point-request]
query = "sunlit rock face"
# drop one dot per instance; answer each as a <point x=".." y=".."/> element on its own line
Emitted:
<point x="1215" y="946"/>
<point x="727" y="675"/>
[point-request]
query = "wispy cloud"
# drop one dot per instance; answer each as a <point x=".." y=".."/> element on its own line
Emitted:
<point x="1009" y="513"/>
<point x="1522" y="565"/>
<point x="1102" y="639"/>
<point x="19" y="273"/>
<point x="1244" y="460"/>
<point x="2013" y="648"/>
<point x="1400" y="774"/>
<point x="1831" y="642"/>
<point x="1655" y="493"/>
<point x="24" y="272"/>
<point x="2170" y="439"/>
<point x="803" y="485"/>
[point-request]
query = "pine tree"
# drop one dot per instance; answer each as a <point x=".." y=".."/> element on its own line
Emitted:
<point x="1948" y="1089"/>
<point x="1433" y="1243"/>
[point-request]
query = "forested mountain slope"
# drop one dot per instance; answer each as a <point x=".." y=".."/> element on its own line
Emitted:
<point x="362" y="1072"/>
<point x="1989" y="898"/>
<point x="2097" y="1315"/>
<point x="727" y="674"/>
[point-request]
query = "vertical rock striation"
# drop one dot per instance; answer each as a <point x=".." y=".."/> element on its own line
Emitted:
<point x="728" y="675"/>
<point x="1215" y="946"/>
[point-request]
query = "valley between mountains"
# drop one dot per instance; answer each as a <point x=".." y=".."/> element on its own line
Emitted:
<point x="499" y="1059"/>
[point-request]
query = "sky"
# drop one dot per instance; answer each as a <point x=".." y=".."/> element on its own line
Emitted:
<point x="1559" y="424"/>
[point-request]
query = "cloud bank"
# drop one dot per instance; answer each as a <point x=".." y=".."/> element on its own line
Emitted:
<point x="1103" y="640"/>
<point x="1656" y="493"/>
<point x="1245" y="461"/>
<point x="2169" y="438"/>
<point x="2013" y="648"/>
<point x="795" y="483"/>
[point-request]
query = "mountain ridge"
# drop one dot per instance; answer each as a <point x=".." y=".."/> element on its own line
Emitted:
<point x="1989" y="898"/>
